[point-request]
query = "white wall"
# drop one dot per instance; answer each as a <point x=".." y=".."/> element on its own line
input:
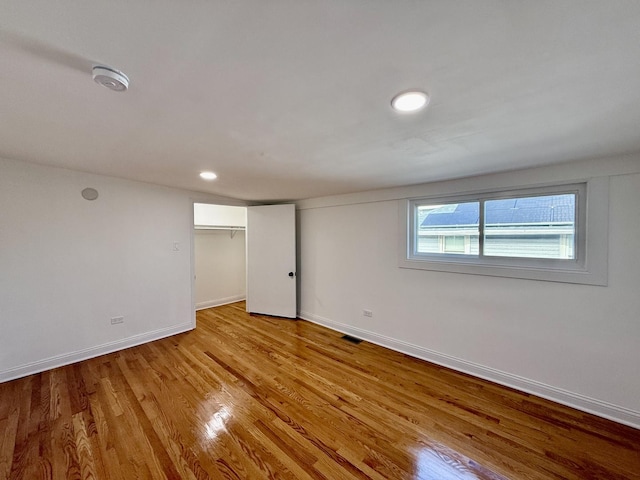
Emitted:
<point x="220" y="267"/>
<point x="67" y="265"/>
<point x="576" y="344"/>
<point x="221" y="215"/>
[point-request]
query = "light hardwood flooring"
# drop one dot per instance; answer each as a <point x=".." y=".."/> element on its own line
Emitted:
<point x="252" y="397"/>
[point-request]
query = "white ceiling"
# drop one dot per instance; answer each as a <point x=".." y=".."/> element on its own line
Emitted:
<point x="290" y="99"/>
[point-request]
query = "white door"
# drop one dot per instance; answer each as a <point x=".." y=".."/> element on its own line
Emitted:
<point x="271" y="260"/>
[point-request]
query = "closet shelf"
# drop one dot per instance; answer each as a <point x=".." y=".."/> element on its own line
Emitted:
<point x="217" y="227"/>
<point x="232" y="229"/>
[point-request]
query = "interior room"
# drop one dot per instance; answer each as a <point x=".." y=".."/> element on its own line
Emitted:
<point x="320" y="240"/>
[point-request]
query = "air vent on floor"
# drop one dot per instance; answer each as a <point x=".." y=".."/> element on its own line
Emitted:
<point x="351" y="339"/>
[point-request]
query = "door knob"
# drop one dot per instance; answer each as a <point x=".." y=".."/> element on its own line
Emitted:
<point x="291" y="274"/>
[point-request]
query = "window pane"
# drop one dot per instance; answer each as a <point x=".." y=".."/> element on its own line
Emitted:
<point x="448" y="229"/>
<point x="532" y="227"/>
<point x="454" y="244"/>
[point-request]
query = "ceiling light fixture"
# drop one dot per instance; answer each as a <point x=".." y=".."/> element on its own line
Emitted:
<point x="410" y="101"/>
<point x="208" y="175"/>
<point x="110" y="78"/>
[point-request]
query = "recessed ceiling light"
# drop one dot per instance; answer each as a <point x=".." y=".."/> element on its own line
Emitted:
<point x="208" y="175"/>
<point x="411" y="101"/>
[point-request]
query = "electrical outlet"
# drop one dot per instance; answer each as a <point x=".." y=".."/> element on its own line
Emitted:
<point x="116" y="320"/>
<point x="367" y="313"/>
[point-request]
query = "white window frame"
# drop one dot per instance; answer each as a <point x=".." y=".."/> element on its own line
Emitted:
<point x="591" y="232"/>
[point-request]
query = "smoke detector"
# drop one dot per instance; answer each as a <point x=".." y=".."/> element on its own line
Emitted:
<point x="110" y="78"/>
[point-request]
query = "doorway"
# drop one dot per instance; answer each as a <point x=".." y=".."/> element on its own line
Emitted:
<point x="219" y="246"/>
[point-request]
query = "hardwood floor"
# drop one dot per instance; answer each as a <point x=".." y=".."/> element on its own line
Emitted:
<point x="251" y="397"/>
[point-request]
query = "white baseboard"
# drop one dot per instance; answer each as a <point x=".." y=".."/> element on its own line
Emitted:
<point x="73" y="357"/>
<point x="220" y="301"/>
<point x="581" y="402"/>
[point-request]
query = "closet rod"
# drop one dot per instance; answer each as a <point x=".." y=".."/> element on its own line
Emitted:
<point x="216" y="227"/>
<point x="232" y="230"/>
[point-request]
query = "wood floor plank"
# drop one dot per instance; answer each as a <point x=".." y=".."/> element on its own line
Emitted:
<point x="8" y="431"/>
<point x="255" y="397"/>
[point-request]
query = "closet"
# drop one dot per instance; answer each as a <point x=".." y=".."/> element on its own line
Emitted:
<point x="219" y="254"/>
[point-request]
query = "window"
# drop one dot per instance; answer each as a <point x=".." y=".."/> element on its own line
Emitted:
<point x="454" y="244"/>
<point x="539" y="233"/>
<point x="531" y="227"/>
